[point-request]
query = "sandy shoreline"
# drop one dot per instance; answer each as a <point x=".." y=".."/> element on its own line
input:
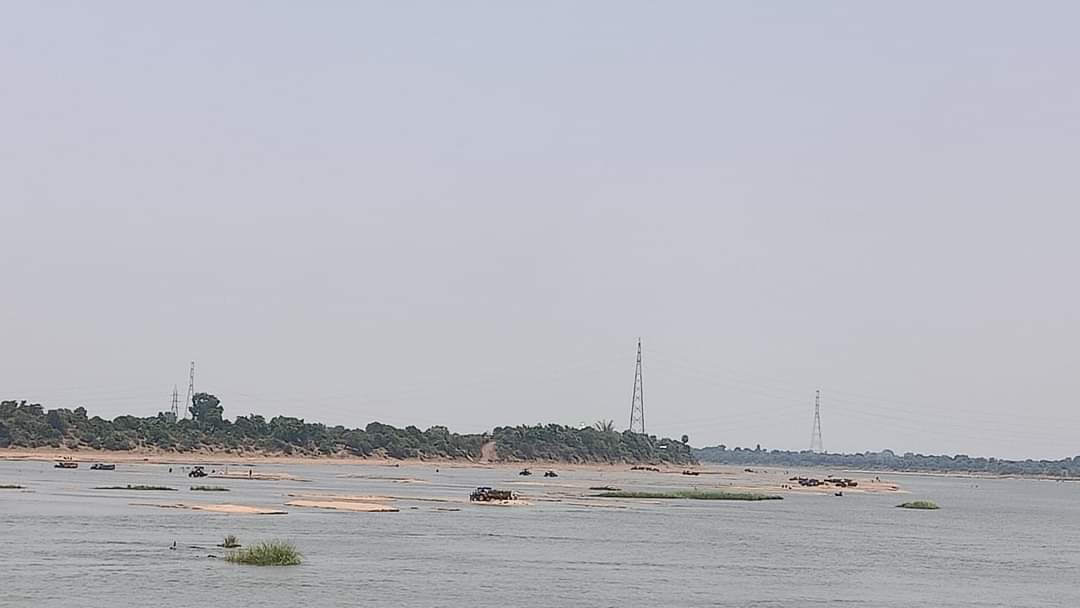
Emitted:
<point x="200" y="458"/>
<point x="579" y="485"/>
<point x="343" y="505"/>
<point x="707" y="470"/>
<point x="228" y="509"/>
<point x="248" y="459"/>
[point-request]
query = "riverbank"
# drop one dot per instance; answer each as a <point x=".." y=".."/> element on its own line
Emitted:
<point x="256" y="458"/>
<point x="181" y="458"/>
<point x="773" y="478"/>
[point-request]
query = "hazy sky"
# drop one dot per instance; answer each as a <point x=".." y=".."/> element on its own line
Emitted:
<point x="466" y="213"/>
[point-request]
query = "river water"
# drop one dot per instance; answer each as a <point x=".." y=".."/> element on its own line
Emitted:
<point x="1008" y="543"/>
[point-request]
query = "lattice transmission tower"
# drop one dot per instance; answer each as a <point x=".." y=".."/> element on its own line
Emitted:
<point x="816" y="445"/>
<point x="175" y="404"/>
<point x="190" y="390"/>
<point x="637" y="403"/>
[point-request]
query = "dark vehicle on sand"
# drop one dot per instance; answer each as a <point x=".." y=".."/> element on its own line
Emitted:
<point x="486" y="494"/>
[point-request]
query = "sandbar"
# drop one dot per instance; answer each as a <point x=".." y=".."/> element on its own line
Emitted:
<point x="342" y="497"/>
<point x="385" y="478"/>
<point x="258" y="476"/>
<point x="517" y="502"/>
<point x="223" y="508"/>
<point x="343" y="505"/>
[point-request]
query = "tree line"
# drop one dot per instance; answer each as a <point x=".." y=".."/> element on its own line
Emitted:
<point x="31" y="426"/>
<point x="887" y="460"/>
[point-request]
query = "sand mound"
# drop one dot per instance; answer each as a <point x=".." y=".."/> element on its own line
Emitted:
<point x="229" y="509"/>
<point x="344" y="505"/>
<point x="256" y="476"/>
<point x="342" y="497"/>
<point x="385" y="478"/>
<point x="371" y="498"/>
<point x="501" y="503"/>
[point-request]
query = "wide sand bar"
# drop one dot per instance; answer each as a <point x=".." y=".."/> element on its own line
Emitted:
<point x="343" y="505"/>
<point x="225" y="508"/>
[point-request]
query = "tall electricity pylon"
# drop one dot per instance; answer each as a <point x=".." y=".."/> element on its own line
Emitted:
<point x="190" y="391"/>
<point x="815" y="434"/>
<point x="637" y="403"/>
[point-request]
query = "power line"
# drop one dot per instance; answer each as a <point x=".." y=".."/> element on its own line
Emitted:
<point x="637" y="402"/>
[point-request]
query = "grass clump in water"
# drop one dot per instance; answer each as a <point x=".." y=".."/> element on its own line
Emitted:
<point x="272" y="553"/>
<point x="692" y="494"/>
<point x="231" y="542"/>
<point x="8" y="486"/>
<point x="919" y="504"/>
<point x="208" y="489"/>
<point x="137" y="487"/>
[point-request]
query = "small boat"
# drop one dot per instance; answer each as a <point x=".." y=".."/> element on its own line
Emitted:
<point x="66" y="464"/>
<point x="100" y="466"/>
<point x="525" y="472"/>
<point x="838" y="494"/>
<point x="551" y="474"/>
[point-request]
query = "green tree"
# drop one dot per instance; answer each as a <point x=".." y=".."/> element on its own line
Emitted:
<point x="56" y="420"/>
<point x="206" y="409"/>
<point x="604" y="426"/>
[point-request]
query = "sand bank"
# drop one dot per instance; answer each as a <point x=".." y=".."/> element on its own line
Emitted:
<point x="517" y="502"/>
<point x="385" y="478"/>
<point x="206" y="457"/>
<point x="343" y="505"/>
<point x="342" y="497"/>
<point x="225" y="508"/>
<point x="256" y="475"/>
<point x="864" y="487"/>
<point x="374" y="498"/>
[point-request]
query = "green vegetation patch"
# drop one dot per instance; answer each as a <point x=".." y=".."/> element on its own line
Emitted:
<point x="886" y="460"/>
<point x="208" y="489"/>
<point x="272" y="553"/>
<point x="231" y="542"/>
<point x="138" y="487"/>
<point x="30" y="425"/>
<point x="691" y="494"/>
<point x="919" y="504"/>
<point x="10" y="487"/>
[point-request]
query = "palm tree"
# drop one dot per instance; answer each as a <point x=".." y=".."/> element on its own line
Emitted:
<point x="605" y="426"/>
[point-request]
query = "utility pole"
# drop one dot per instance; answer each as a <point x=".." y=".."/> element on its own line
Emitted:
<point x="190" y="390"/>
<point x="637" y="403"/>
<point x="815" y="433"/>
